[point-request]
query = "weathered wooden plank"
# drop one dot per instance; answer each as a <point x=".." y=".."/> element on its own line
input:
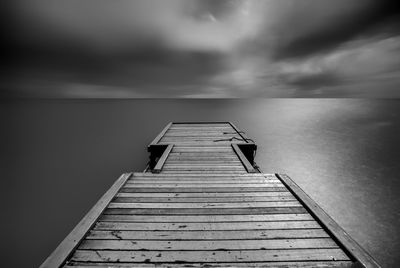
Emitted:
<point x="209" y="256"/>
<point x="207" y="205"/>
<point x="205" y="171"/>
<point x="161" y="162"/>
<point x="219" y="153"/>
<point x="200" y="124"/>
<point x="245" y="175"/>
<point x="198" y="138"/>
<point x="334" y="229"/>
<point x="208" y="235"/>
<point x="208" y="245"/>
<point x="217" y="135"/>
<point x="203" y="132"/>
<point x="206" y="211"/>
<point x="203" y="175"/>
<point x="208" y="143"/>
<point x="208" y="168"/>
<point x="232" y="177"/>
<point x="197" y="185"/>
<point x="200" y="159"/>
<point x="210" y="226"/>
<point x="297" y="264"/>
<point x="205" y="150"/>
<point x="228" y="148"/>
<point x="212" y="126"/>
<point x="60" y="254"/>
<point x="203" y="156"/>
<point x="204" y="167"/>
<point x="204" y="181"/>
<point x="200" y="128"/>
<point x="207" y="218"/>
<point x="202" y="200"/>
<point x="244" y="160"/>
<point x="206" y="195"/>
<point x="203" y="162"/>
<point x="220" y="164"/>
<point x="202" y="189"/>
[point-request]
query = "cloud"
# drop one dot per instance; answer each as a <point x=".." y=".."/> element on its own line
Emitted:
<point x="187" y="48"/>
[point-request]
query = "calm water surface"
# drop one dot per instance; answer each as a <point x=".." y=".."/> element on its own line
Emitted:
<point x="59" y="157"/>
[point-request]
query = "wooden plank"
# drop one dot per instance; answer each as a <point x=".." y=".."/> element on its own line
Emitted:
<point x="194" y="124"/>
<point x="204" y="167"/>
<point x="195" y="143"/>
<point x="207" y="205"/>
<point x="305" y="264"/>
<point x="207" y="218"/>
<point x="331" y="226"/>
<point x="244" y="160"/>
<point x="203" y="190"/>
<point x="206" y="195"/>
<point x="205" y="151"/>
<point x="206" y="226"/>
<point x="203" y="161"/>
<point x="208" y="166"/>
<point x="203" y="185"/>
<point x="208" y="245"/>
<point x="205" y="171"/>
<point x="199" y="134"/>
<point x="198" y="127"/>
<point x="206" y="211"/>
<point x="209" y="256"/>
<point x="190" y="177"/>
<point x="61" y="253"/>
<point x="174" y="164"/>
<point x="208" y="235"/>
<point x="197" y="138"/>
<point x="208" y="181"/>
<point x="199" y="157"/>
<point x="160" y="164"/>
<point x="202" y="200"/>
<point x="159" y="136"/>
<point x="194" y="132"/>
<point x="202" y="175"/>
<point x="201" y="129"/>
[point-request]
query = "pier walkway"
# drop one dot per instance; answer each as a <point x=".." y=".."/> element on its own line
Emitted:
<point x="202" y="202"/>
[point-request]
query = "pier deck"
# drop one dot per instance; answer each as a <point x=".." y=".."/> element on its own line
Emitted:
<point x="203" y="203"/>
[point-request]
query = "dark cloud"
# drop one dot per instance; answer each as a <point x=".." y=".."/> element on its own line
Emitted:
<point x="189" y="48"/>
<point x="312" y="81"/>
<point x="317" y="26"/>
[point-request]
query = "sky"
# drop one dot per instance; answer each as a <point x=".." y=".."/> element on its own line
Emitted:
<point x="200" y="49"/>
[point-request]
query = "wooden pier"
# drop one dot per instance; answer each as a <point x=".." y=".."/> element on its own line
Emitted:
<point x="202" y="202"/>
